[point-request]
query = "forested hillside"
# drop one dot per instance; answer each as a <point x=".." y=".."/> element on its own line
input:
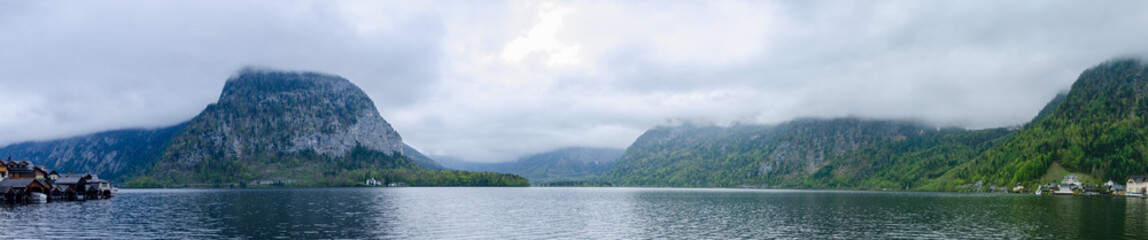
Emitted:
<point x="780" y="155"/>
<point x="1098" y="130"/>
<point x="915" y="163"/>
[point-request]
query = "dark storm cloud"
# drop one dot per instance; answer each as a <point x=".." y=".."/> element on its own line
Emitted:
<point x="490" y="81"/>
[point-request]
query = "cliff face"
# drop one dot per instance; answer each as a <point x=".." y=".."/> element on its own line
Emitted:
<point x="804" y="146"/>
<point x="286" y="112"/>
<point x="282" y="125"/>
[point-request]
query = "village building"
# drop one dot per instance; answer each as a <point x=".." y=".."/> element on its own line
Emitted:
<point x="24" y="189"/>
<point x="20" y="170"/>
<point x="23" y="181"/>
<point x="374" y="182"/>
<point x="27" y="185"/>
<point x="1071" y="180"/>
<point x="1136" y="185"/>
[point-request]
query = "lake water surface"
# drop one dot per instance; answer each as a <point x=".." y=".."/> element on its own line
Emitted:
<point x="574" y="213"/>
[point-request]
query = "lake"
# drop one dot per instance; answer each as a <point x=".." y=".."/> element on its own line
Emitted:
<point x="574" y="213"/>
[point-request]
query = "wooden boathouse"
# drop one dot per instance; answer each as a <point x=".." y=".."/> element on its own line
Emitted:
<point x="22" y="181"/>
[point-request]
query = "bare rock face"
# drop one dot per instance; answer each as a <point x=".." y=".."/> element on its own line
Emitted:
<point x="285" y="112"/>
<point x="805" y="145"/>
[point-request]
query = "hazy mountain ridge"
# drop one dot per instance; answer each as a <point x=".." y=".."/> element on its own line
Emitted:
<point x="565" y="164"/>
<point x="422" y="160"/>
<point x="114" y="155"/>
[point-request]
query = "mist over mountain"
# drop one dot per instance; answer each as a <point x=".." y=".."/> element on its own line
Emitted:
<point x="323" y="130"/>
<point x="1095" y="130"/>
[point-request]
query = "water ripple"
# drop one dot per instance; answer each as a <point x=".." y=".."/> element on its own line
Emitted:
<point x="573" y="213"/>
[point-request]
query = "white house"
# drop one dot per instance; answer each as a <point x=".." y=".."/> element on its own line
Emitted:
<point x="1137" y="185"/>
<point x="1071" y="180"/>
<point x="374" y="182"/>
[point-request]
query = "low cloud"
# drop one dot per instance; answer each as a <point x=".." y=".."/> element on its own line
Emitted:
<point x="491" y="81"/>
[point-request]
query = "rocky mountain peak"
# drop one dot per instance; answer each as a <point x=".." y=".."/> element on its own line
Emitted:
<point x="276" y="111"/>
<point x="256" y="83"/>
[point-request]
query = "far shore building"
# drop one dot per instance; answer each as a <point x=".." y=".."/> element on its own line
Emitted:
<point x="1071" y="180"/>
<point x="374" y="182"/>
<point x="1113" y="188"/>
<point x="1137" y="185"/>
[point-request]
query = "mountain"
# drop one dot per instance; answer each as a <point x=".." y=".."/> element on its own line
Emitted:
<point x="782" y="154"/>
<point x="461" y="164"/>
<point x="807" y="153"/>
<point x="262" y="111"/>
<point x="1097" y="130"/>
<point x="289" y="128"/>
<point x="113" y="155"/>
<point x="566" y="164"/>
<point x="303" y="128"/>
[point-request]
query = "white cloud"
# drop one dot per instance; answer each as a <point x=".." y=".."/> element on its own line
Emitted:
<point x="493" y="80"/>
<point x="542" y="38"/>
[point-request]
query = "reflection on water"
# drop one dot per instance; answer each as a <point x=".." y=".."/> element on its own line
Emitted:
<point x="594" y="213"/>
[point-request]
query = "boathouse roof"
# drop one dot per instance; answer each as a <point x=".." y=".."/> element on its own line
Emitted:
<point x="19" y="183"/>
<point x="78" y="175"/>
<point x="19" y="168"/>
<point x="68" y="181"/>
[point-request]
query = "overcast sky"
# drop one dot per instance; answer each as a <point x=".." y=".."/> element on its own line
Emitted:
<point x="491" y="81"/>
